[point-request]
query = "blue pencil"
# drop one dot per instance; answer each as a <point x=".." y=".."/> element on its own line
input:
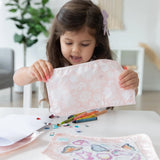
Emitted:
<point x="85" y="120"/>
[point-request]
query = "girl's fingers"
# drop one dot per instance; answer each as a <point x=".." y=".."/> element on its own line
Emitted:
<point x="133" y="83"/>
<point x="127" y="75"/>
<point x="45" y="69"/>
<point x="124" y="74"/>
<point x="41" y="70"/>
<point x="129" y="79"/>
<point x="50" y="68"/>
<point x="38" y="71"/>
<point x="35" y="73"/>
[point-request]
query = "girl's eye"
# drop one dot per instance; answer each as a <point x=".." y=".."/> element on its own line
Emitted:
<point x="68" y="43"/>
<point x="85" y="45"/>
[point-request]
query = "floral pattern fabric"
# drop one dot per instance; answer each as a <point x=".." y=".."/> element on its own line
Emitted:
<point x="86" y="86"/>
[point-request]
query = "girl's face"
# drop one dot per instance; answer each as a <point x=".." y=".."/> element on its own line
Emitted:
<point x="77" y="46"/>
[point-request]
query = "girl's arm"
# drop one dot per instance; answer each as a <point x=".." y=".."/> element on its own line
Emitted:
<point x="23" y="77"/>
<point x="41" y="70"/>
<point x="128" y="79"/>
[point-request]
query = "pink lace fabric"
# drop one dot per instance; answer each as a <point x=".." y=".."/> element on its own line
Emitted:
<point x="78" y="147"/>
<point x="86" y="86"/>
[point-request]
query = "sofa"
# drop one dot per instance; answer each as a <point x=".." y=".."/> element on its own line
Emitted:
<point x="6" y="69"/>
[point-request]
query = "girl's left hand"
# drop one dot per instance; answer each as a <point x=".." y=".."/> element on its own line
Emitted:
<point x="128" y="79"/>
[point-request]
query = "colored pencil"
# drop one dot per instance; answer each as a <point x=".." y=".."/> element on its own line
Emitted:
<point x="75" y="115"/>
<point x="80" y="116"/>
<point x="68" y="120"/>
<point x="85" y="114"/>
<point x="85" y="120"/>
<point x="101" y="112"/>
<point x="90" y="116"/>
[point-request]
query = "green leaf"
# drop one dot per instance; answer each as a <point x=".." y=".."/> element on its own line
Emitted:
<point x="32" y="31"/>
<point x="21" y="21"/>
<point x="33" y="11"/>
<point x="31" y="19"/>
<point x="19" y="26"/>
<point x="25" y="21"/>
<point x="15" y="19"/>
<point x="18" y="38"/>
<point x="30" y="42"/>
<point x="49" y="13"/>
<point x="13" y="10"/>
<point x="42" y="11"/>
<point x="45" y="19"/>
<point x="16" y="1"/>
<point x="37" y="3"/>
<point x="46" y="33"/>
<point x="10" y="4"/>
<point x="44" y="2"/>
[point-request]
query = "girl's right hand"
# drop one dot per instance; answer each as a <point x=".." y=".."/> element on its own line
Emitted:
<point x="41" y="70"/>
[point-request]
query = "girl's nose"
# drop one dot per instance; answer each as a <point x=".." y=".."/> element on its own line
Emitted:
<point x="76" y="50"/>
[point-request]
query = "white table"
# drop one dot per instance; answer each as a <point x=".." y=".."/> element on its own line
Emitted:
<point x="113" y="123"/>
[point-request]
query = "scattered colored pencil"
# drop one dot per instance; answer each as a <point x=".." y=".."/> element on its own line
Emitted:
<point x="68" y="120"/>
<point x="90" y="116"/>
<point x="85" y="120"/>
<point x="80" y="116"/>
<point x="101" y="112"/>
<point x="84" y="116"/>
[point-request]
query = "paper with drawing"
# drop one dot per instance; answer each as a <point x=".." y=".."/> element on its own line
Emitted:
<point x="78" y="147"/>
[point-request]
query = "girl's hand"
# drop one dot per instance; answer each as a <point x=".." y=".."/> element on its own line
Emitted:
<point x="129" y="80"/>
<point x="41" y="70"/>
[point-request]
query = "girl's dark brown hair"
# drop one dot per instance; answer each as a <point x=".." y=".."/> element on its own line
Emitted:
<point x="72" y="17"/>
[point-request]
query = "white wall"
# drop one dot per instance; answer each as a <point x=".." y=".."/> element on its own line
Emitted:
<point x="141" y="24"/>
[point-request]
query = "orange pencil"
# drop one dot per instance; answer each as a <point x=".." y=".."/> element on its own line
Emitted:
<point x="84" y="115"/>
<point x="90" y="116"/>
<point x="80" y="115"/>
<point x="101" y="112"/>
<point x="93" y="112"/>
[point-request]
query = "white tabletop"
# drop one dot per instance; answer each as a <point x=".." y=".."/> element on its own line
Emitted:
<point x="111" y="124"/>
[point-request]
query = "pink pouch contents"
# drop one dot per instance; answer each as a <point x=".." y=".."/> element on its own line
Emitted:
<point x="78" y="147"/>
<point x="86" y="86"/>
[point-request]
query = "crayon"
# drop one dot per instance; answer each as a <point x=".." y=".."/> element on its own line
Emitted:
<point x="90" y="116"/>
<point x="93" y="112"/>
<point x="101" y="112"/>
<point x="85" y="120"/>
<point x="68" y="120"/>
<point x="70" y="116"/>
<point x="75" y="115"/>
<point x="85" y="114"/>
<point x="80" y="116"/>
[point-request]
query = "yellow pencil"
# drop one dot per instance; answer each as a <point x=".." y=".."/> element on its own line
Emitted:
<point x="85" y="117"/>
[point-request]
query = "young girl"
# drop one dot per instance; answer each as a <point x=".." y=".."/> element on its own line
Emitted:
<point x="77" y="37"/>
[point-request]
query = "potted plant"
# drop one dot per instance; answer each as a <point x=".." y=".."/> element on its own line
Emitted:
<point x="30" y="18"/>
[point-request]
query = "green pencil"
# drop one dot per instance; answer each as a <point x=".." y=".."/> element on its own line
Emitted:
<point x="68" y="120"/>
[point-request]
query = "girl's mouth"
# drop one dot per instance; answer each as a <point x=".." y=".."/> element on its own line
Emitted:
<point x="76" y="59"/>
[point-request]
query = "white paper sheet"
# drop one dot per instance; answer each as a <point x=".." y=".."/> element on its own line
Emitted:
<point x="16" y="127"/>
